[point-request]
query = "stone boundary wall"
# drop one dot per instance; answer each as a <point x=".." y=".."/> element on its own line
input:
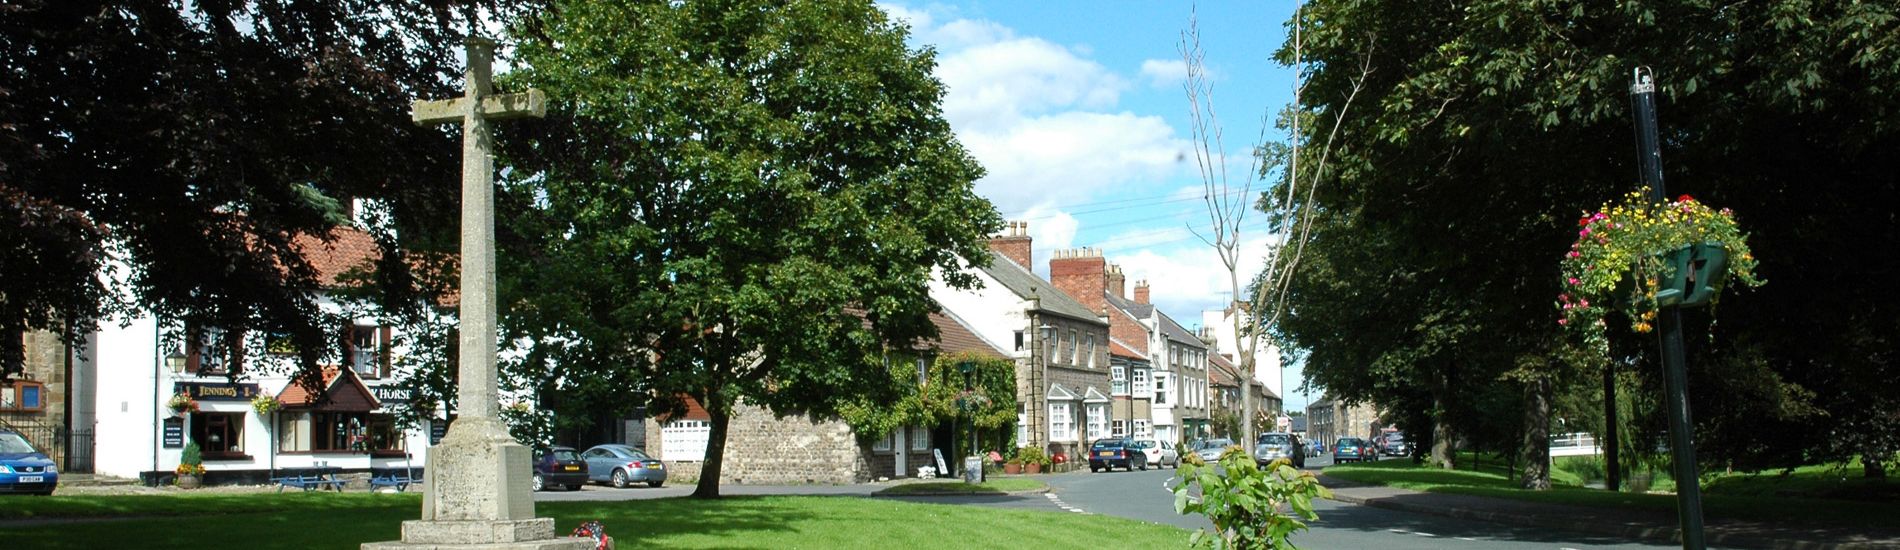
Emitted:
<point x="763" y="449"/>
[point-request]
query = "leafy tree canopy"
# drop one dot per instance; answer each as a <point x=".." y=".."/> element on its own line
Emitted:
<point x="731" y="200"/>
<point x="1486" y="128"/>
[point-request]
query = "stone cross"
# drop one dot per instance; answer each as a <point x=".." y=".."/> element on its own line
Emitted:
<point x="477" y="395"/>
<point x="477" y="478"/>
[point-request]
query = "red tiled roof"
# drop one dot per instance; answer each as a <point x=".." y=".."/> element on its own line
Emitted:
<point x="349" y="248"/>
<point x="1118" y="349"/>
<point x="953" y="337"/>
<point x="346" y="393"/>
<point x="1221" y="372"/>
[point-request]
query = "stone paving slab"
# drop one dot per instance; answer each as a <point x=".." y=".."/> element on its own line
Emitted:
<point x="1637" y="524"/>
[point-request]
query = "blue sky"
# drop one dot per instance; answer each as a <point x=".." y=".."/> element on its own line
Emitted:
<point x="1077" y="111"/>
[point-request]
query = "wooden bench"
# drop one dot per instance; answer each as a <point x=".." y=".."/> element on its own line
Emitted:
<point x="400" y="478"/>
<point x="308" y="479"/>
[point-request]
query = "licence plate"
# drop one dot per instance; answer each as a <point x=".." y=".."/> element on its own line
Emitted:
<point x="32" y="479"/>
<point x="1107" y="453"/>
<point x="573" y="468"/>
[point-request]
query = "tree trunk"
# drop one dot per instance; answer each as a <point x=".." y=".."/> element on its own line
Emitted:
<point x="1872" y="466"/>
<point x="715" y="449"/>
<point x="1612" y="464"/>
<point x="1537" y="435"/>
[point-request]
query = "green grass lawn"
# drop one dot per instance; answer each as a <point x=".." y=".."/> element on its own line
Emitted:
<point x="991" y="486"/>
<point x="1732" y="497"/>
<point x="344" y="521"/>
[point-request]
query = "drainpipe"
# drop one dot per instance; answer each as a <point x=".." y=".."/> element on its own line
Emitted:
<point x="158" y="357"/>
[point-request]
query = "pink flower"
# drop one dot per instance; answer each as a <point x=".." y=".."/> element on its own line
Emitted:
<point x="1573" y="254"/>
<point x="1573" y="280"/>
<point x="1584" y="233"/>
<point x="1583" y="303"/>
<point x="1564" y="322"/>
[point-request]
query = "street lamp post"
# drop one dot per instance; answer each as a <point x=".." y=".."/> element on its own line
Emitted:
<point x="972" y="463"/>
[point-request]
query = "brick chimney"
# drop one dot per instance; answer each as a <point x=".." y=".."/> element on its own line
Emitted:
<point x="1117" y="284"/>
<point x="1081" y="273"/>
<point x="1014" y="243"/>
<point x="1141" y="291"/>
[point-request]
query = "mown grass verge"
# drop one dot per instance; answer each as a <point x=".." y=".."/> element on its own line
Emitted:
<point x="1725" y="498"/>
<point x="224" y="521"/>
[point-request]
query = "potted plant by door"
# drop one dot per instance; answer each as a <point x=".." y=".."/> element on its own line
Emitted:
<point x="1014" y="466"/>
<point x="191" y="469"/>
<point x="1034" y="460"/>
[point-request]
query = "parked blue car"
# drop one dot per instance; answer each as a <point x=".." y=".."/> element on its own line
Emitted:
<point x="24" y="469"/>
<point x="623" y="465"/>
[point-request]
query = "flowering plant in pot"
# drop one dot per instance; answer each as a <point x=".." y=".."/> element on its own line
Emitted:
<point x="1033" y="459"/>
<point x="191" y="469"/>
<point x="1639" y="257"/>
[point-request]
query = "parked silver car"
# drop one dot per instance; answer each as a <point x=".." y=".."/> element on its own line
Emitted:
<point x="622" y="465"/>
<point x="1275" y="445"/>
<point x="1160" y="453"/>
<point x="1210" y="449"/>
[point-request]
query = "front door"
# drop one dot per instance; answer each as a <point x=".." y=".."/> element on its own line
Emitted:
<point x="900" y="446"/>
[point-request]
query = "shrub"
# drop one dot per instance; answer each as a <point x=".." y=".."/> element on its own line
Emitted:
<point x="1250" y="507"/>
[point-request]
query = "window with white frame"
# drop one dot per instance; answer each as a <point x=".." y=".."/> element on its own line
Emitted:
<point x="1022" y="423"/>
<point x="884" y="444"/>
<point x="1144" y="428"/>
<point x="1118" y="428"/>
<point x="1075" y="347"/>
<point x="1061" y="422"/>
<point x="1054" y="340"/>
<point x="1118" y="375"/>
<point x="923" y="370"/>
<point x="1019" y="340"/>
<point x="1091" y="360"/>
<point x="919" y="438"/>
<point x="1161" y="388"/>
<point x="1098" y="420"/>
<point x="1141" y="383"/>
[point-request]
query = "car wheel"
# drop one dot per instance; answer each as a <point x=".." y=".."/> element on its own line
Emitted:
<point x="539" y="485"/>
<point x="620" y="479"/>
<point x="655" y="484"/>
<point x="1094" y="470"/>
<point x="1144" y="465"/>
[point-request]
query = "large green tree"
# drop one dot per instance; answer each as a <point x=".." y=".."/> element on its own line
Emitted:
<point x="1492" y="125"/>
<point x="731" y="200"/>
<point x="192" y="143"/>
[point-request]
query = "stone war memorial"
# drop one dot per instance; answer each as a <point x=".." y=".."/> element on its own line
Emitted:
<point x="478" y="477"/>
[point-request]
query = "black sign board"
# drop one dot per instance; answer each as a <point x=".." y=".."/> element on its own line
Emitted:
<point x="220" y="391"/>
<point x="437" y="429"/>
<point x="174" y="432"/>
<point x="390" y="394"/>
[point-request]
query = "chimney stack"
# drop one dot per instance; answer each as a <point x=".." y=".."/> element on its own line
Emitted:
<point x="1141" y="291"/>
<point x="1014" y="243"/>
<point x="1117" y="283"/>
<point x="1081" y="273"/>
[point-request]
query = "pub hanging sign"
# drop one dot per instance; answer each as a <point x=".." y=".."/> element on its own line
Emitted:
<point x="219" y="391"/>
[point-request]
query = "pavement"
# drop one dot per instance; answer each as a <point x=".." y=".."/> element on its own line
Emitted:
<point x="1634" y="524"/>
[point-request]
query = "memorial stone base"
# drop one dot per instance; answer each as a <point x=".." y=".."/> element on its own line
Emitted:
<point x="479" y="498"/>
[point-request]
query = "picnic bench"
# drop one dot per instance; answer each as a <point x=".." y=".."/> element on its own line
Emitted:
<point x="309" y="479"/>
<point x="400" y="478"/>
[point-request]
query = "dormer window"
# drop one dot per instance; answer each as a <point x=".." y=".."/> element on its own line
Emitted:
<point x="366" y="350"/>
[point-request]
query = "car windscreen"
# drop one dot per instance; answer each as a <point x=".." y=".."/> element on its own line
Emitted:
<point x="1348" y="442"/>
<point x="1273" y="439"/>
<point x="1108" y="444"/>
<point x="13" y="443"/>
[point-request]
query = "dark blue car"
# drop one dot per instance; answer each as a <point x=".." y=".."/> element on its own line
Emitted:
<point x="24" y="469"/>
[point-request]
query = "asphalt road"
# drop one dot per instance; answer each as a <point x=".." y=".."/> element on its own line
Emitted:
<point x="1144" y="496"/>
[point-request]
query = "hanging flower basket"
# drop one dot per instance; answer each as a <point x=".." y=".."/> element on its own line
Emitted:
<point x="182" y="404"/>
<point x="1639" y="257"/>
<point x="264" y="405"/>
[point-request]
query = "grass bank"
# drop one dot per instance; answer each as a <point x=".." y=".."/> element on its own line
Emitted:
<point x="992" y="486"/>
<point x="345" y="521"/>
<point x="1742" y="497"/>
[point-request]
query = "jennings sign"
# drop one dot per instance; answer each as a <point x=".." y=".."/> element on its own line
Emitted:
<point x="223" y="391"/>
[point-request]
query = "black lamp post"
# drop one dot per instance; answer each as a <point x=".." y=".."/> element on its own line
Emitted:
<point x="972" y="464"/>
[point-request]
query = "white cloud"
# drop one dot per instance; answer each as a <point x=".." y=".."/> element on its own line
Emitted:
<point x="1188" y="277"/>
<point x="1164" y="73"/>
<point x="1067" y="157"/>
<point x="998" y="84"/>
